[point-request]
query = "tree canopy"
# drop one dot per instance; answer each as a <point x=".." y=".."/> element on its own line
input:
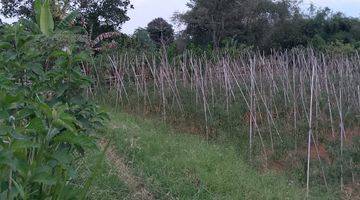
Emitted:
<point x="160" y="31"/>
<point x="264" y="24"/>
<point x="100" y="15"/>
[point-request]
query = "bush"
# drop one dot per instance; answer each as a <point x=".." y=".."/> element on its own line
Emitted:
<point x="45" y="123"/>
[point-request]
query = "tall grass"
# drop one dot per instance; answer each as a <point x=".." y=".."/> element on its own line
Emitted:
<point x="298" y="109"/>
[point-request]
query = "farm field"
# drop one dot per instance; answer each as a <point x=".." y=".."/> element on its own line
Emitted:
<point x="175" y="165"/>
<point x="224" y="99"/>
<point x="183" y="166"/>
<point x="293" y="112"/>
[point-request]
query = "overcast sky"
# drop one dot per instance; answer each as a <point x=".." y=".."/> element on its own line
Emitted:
<point x="146" y="10"/>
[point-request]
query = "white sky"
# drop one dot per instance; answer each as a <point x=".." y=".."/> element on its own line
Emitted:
<point x="146" y="10"/>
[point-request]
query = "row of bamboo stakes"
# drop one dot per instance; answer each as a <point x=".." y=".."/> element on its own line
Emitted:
<point x="309" y="86"/>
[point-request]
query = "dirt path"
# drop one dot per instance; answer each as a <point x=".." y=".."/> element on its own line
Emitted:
<point x="135" y="184"/>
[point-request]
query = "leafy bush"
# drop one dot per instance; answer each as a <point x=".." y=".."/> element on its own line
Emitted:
<point x="45" y="122"/>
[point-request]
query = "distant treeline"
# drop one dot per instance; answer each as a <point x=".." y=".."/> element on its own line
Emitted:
<point x="213" y="24"/>
<point x="266" y="24"/>
<point x="259" y="24"/>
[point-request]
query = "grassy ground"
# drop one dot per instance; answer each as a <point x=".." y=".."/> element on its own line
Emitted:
<point x="106" y="184"/>
<point x="182" y="166"/>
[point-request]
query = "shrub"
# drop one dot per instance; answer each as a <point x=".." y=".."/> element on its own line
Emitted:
<point x="45" y="122"/>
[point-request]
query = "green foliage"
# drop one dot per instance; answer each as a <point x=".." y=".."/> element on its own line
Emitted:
<point x="227" y="119"/>
<point x="318" y="42"/>
<point x="266" y="24"/>
<point x="160" y="31"/>
<point x="337" y="47"/>
<point x="250" y="22"/>
<point x="100" y="15"/>
<point x="45" y="122"/>
<point x="348" y="162"/>
<point x="64" y="24"/>
<point x="45" y="25"/>
<point x="104" y="15"/>
<point x="46" y="19"/>
<point x="143" y="40"/>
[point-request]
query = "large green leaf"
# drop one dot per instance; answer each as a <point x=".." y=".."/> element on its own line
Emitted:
<point x="20" y="189"/>
<point x="46" y="19"/>
<point x="44" y="108"/>
<point x="6" y="158"/>
<point x="37" y="8"/>
<point x="66" y="22"/>
<point x="5" y="45"/>
<point x="30" y="25"/>
<point x="43" y="175"/>
<point x="63" y="157"/>
<point x="37" y="126"/>
<point x="23" y="144"/>
<point x="80" y="140"/>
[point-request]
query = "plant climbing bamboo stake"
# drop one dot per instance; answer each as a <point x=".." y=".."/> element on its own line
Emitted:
<point x="321" y="164"/>
<point x="358" y="91"/>
<point x="204" y="105"/>
<point x="176" y="95"/>
<point x="252" y="99"/>
<point x="342" y="133"/>
<point x="314" y="140"/>
<point x="302" y="94"/>
<point x="119" y="77"/>
<point x="253" y="113"/>
<point x="163" y="92"/>
<point x="229" y="82"/>
<point x="310" y="133"/>
<point x="212" y="87"/>
<point x="259" y="132"/>
<point x="269" y="114"/>
<point x="295" y="105"/>
<point x="226" y="86"/>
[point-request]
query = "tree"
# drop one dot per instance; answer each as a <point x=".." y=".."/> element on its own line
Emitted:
<point x="331" y="28"/>
<point x="105" y="15"/>
<point x="11" y="8"/>
<point x="160" y="31"/>
<point x="142" y="39"/>
<point x="100" y="15"/>
<point x="265" y="24"/>
<point x="207" y="20"/>
<point x="251" y="22"/>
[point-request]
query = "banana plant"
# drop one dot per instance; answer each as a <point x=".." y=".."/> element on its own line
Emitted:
<point x="45" y="25"/>
<point x="44" y="16"/>
<point x="45" y="20"/>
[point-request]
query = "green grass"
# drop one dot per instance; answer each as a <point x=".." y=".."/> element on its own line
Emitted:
<point x="185" y="166"/>
<point x="106" y="183"/>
